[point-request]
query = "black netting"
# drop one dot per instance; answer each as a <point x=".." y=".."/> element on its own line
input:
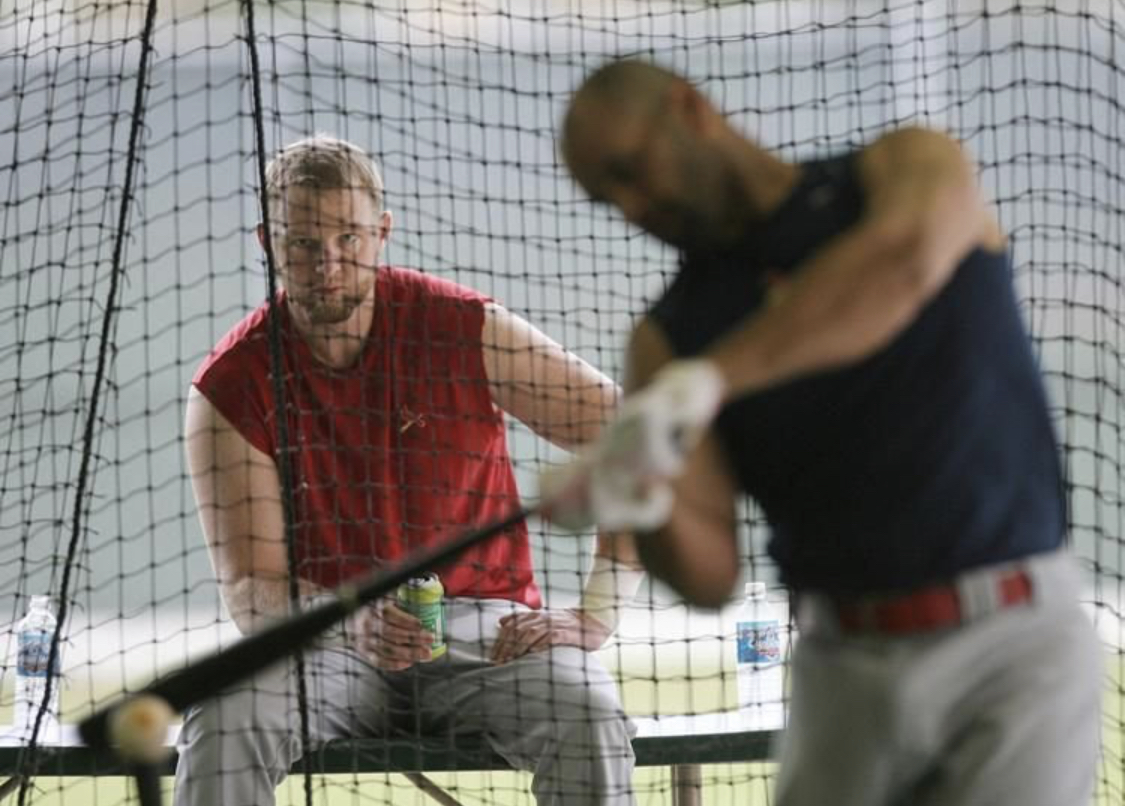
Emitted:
<point x="131" y="157"/>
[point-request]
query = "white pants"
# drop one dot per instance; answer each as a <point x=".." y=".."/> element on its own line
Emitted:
<point x="556" y="713"/>
<point x="1001" y="711"/>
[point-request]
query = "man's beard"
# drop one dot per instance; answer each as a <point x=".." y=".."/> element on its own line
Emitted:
<point x="323" y="310"/>
<point x="716" y="223"/>
<point x="691" y="232"/>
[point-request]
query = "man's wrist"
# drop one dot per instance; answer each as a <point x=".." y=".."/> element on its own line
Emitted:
<point x="337" y="634"/>
<point x="609" y="589"/>
<point x="698" y="382"/>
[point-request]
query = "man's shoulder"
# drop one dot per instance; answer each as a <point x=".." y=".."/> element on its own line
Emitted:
<point x="240" y="350"/>
<point x="431" y="310"/>
<point x="407" y="285"/>
<point x="889" y="153"/>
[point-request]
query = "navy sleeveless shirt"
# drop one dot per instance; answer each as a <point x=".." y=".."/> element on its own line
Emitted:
<point x="934" y="455"/>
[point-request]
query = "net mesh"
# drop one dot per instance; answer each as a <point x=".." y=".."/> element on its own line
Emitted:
<point x="131" y="142"/>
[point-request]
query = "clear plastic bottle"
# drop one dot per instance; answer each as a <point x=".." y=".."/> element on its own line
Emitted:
<point x="35" y="632"/>
<point x="761" y="675"/>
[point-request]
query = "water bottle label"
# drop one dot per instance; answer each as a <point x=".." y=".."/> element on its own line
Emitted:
<point x="758" y="642"/>
<point x="34" y="653"/>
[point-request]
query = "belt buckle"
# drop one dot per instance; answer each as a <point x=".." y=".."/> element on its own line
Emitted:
<point x="992" y="590"/>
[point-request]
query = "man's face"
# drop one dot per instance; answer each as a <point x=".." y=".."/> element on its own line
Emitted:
<point x="663" y="175"/>
<point x="327" y="245"/>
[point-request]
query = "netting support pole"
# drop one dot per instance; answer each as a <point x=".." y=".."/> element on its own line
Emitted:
<point x="687" y="785"/>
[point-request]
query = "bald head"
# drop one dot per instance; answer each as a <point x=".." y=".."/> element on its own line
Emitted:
<point x="646" y="141"/>
<point x="627" y="89"/>
<point x="638" y="136"/>
<point x="627" y="81"/>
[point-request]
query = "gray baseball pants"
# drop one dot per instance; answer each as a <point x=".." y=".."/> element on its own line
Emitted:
<point x="555" y="713"/>
<point x="1001" y="711"/>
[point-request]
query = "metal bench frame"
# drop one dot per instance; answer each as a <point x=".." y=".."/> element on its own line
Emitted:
<point x="683" y="744"/>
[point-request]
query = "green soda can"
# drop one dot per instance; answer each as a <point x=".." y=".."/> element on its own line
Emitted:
<point x="421" y="597"/>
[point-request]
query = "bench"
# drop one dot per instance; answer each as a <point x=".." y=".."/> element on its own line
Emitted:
<point x="683" y="743"/>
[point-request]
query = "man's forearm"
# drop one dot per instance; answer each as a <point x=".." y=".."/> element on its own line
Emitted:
<point x="613" y="581"/>
<point x="255" y="601"/>
<point x="619" y="546"/>
<point x="847" y="302"/>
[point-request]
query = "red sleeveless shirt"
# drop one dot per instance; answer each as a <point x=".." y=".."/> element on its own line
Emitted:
<point x="404" y="449"/>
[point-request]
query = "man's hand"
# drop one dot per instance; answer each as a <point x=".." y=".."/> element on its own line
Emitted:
<point x="621" y="481"/>
<point x="536" y="630"/>
<point x="388" y="637"/>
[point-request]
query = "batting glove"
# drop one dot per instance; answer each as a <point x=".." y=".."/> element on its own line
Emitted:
<point x="622" y="481"/>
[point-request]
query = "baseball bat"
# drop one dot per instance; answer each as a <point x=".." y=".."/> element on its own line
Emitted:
<point x="210" y="675"/>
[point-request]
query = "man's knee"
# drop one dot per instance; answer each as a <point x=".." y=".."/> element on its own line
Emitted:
<point x="579" y="680"/>
<point x="259" y="706"/>
<point x="585" y="702"/>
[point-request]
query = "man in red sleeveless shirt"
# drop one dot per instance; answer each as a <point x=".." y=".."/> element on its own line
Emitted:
<point x="389" y="435"/>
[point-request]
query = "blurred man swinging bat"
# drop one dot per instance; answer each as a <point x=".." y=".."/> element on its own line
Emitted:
<point x="843" y="343"/>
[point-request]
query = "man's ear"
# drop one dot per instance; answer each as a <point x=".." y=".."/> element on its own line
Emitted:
<point x="386" y="224"/>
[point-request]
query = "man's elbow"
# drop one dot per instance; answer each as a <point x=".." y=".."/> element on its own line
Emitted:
<point x="922" y="249"/>
<point x="239" y="600"/>
<point x="916" y="263"/>
<point x="701" y="566"/>
<point x="711" y="590"/>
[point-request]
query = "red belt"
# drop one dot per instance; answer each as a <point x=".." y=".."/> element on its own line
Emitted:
<point x="931" y="608"/>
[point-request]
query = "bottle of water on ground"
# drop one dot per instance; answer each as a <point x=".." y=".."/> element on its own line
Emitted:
<point x="34" y="635"/>
<point x="761" y="674"/>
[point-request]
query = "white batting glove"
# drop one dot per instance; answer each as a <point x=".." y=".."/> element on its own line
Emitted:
<point x="582" y="493"/>
<point x="656" y="428"/>
<point x="621" y="482"/>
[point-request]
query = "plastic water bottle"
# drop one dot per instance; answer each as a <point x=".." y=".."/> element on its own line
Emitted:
<point x="761" y="675"/>
<point x="35" y="633"/>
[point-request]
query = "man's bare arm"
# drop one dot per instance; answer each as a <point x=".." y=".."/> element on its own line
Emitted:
<point x="696" y="550"/>
<point x="554" y="392"/>
<point x="567" y="401"/>
<point x="924" y="215"/>
<point x="237" y="492"/>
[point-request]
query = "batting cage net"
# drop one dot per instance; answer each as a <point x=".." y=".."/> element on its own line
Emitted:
<point x="136" y="141"/>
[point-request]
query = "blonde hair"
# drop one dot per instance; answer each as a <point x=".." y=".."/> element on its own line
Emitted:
<point x="323" y="162"/>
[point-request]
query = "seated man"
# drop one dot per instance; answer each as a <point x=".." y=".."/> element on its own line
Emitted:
<point x="391" y="436"/>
